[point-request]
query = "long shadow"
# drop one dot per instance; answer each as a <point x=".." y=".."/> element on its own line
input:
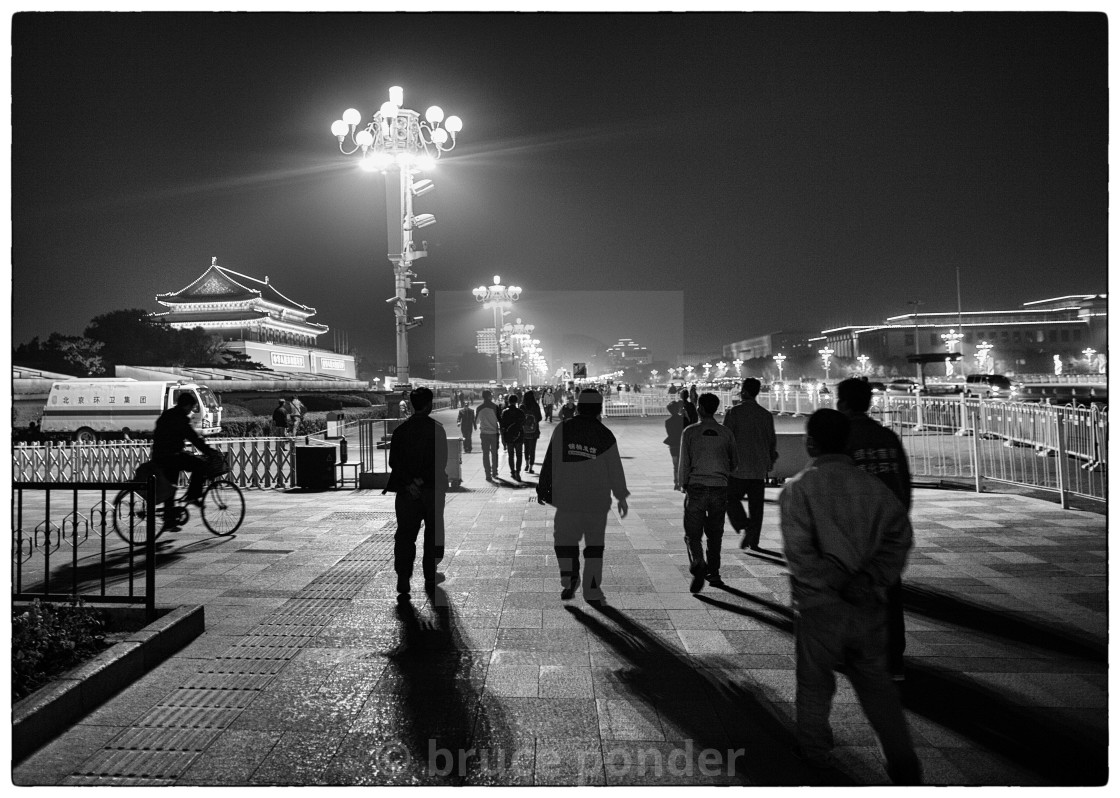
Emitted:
<point x="1033" y="738"/>
<point x="452" y="736"/>
<point x="715" y="713"/>
<point x="955" y="610"/>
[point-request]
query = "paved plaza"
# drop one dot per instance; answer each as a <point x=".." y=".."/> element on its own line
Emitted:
<point x="311" y="673"/>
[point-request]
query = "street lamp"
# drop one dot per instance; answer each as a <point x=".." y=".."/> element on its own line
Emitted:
<point x="738" y="367"/>
<point x="982" y="350"/>
<point x="500" y="298"/>
<point x="951" y="339"/>
<point x="707" y="370"/>
<point x="863" y="363"/>
<point x="399" y="144"/>
<point x="1089" y="353"/>
<point x="518" y="336"/>
<point x="826" y="357"/>
<point x="779" y="359"/>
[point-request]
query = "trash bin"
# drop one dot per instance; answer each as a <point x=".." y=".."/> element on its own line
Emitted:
<point x="315" y="467"/>
<point x="335" y="422"/>
<point x="455" y="461"/>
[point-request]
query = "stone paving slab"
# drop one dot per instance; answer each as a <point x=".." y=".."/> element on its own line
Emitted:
<point x="310" y="672"/>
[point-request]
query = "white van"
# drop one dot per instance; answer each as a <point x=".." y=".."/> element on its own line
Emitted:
<point x="99" y="409"/>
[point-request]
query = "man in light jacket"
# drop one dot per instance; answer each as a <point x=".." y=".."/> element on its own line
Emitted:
<point x="756" y="444"/>
<point x="846" y="538"/>
<point x="488" y="432"/>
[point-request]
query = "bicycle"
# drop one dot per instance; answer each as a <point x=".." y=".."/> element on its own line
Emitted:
<point x="222" y="507"/>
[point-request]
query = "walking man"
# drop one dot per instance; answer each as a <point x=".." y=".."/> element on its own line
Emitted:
<point x="756" y="444"/>
<point x="878" y="451"/>
<point x="846" y="538"/>
<point x="548" y="400"/>
<point x="418" y="463"/>
<point x="467" y="425"/>
<point x="298" y="411"/>
<point x="280" y="419"/>
<point x="513" y="435"/>
<point x="582" y="469"/>
<point x="707" y="460"/>
<point x="488" y="431"/>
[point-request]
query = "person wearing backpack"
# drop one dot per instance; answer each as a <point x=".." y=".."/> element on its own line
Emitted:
<point x="532" y="428"/>
<point x="513" y="434"/>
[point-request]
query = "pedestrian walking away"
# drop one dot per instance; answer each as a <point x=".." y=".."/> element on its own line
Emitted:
<point x="756" y="445"/>
<point x="280" y="419"/>
<point x="513" y="435"/>
<point x="531" y="429"/>
<point x="707" y="460"/>
<point x="846" y="538"/>
<point x="418" y="475"/>
<point x="878" y="451"/>
<point x="674" y="426"/>
<point x="467" y="425"/>
<point x="683" y="406"/>
<point x="568" y="409"/>
<point x="582" y="469"/>
<point x="488" y="432"/>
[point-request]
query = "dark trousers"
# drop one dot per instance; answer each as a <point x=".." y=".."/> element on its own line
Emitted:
<point x="704" y="509"/>
<point x="489" y="454"/>
<point x="468" y="433"/>
<point x="571" y="526"/>
<point x="548" y="413"/>
<point x="856" y="637"/>
<point x="749" y="522"/>
<point x="411" y="513"/>
<point x="896" y="628"/>
<point x="171" y="466"/>
<point x="530" y="452"/>
<point x="514" y="450"/>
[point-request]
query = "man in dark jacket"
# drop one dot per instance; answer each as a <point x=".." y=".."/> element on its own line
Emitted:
<point x="418" y="463"/>
<point x="173" y="430"/>
<point x="878" y="451"/>
<point x="581" y="469"/>
<point x="512" y="423"/>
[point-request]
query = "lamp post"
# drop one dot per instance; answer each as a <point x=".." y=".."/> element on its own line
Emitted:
<point x="1089" y="353"/>
<point x="399" y="144"/>
<point x="518" y="336"/>
<point x="982" y="350"/>
<point x="951" y="339"/>
<point x="738" y="367"/>
<point x="826" y="357"/>
<point x="779" y="359"/>
<point x="707" y="370"/>
<point x="917" y="342"/>
<point x="499" y="298"/>
<point x="863" y="363"/>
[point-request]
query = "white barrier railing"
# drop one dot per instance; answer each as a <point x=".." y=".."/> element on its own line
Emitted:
<point x="254" y="462"/>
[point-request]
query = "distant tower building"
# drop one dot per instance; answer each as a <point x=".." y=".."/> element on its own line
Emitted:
<point x="626" y="353"/>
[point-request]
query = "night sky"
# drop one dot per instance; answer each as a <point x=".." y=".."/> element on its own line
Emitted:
<point x="783" y="171"/>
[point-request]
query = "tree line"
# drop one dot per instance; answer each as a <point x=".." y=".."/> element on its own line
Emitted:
<point x="127" y="337"/>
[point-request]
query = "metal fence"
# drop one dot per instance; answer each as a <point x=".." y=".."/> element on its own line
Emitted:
<point x="1057" y="448"/>
<point x="265" y="463"/>
<point x="65" y="549"/>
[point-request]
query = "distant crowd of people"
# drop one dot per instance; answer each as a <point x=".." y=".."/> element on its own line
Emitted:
<point x="844" y="522"/>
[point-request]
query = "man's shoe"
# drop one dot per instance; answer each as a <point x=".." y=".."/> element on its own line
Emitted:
<point x="714" y="580"/>
<point x="598" y="602"/>
<point x="570" y="591"/>
<point x="697" y="583"/>
<point x="402" y="585"/>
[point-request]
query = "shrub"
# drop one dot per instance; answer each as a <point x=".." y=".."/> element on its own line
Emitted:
<point x="48" y="639"/>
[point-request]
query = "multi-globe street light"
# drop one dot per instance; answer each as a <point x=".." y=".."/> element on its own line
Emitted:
<point x="779" y="359"/>
<point x="518" y="335"/>
<point x="500" y="298"/>
<point x="951" y="339"/>
<point x="826" y="357"/>
<point x="399" y="144"/>
<point x="983" y="349"/>
<point x="863" y="363"/>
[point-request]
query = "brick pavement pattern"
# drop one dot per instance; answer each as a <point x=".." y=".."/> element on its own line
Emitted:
<point x="311" y="673"/>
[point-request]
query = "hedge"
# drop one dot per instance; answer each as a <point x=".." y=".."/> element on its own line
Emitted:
<point x="261" y="426"/>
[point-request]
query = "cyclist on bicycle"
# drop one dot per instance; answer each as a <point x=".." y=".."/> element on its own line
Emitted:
<point x="173" y="429"/>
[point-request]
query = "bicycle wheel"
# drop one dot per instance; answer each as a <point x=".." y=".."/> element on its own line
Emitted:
<point x="223" y="507"/>
<point x="130" y="517"/>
